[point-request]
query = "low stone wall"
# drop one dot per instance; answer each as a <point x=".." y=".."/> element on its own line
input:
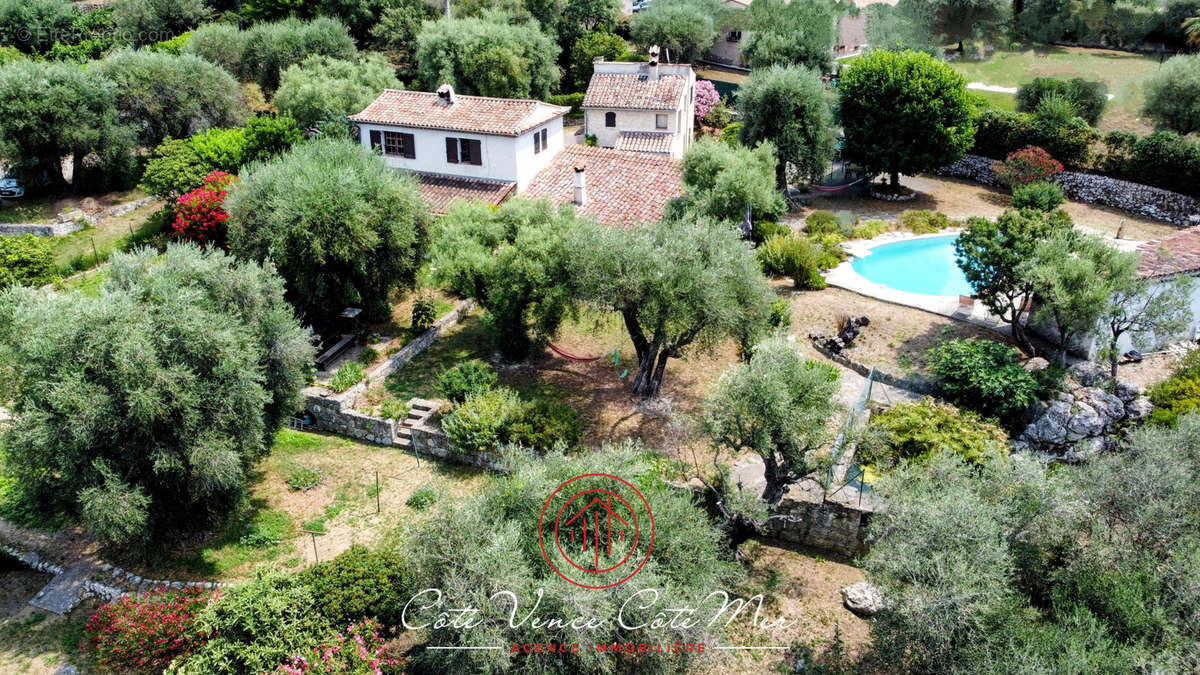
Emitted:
<point x="40" y="229"/>
<point x="914" y="385"/>
<point x="429" y="440"/>
<point x="1089" y="188"/>
<point x="836" y="523"/>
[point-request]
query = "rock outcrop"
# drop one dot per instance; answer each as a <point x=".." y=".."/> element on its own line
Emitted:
<point x="863" y="599"/>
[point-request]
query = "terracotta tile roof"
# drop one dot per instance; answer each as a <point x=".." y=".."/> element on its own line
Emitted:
<point x="633" y="92"/>
<point x="438" y="190"/>
<point x="623" y="188"/>
<point x="1182" y="254"/>
<point x="645" y="141"/>
<point x="477" y="114"/>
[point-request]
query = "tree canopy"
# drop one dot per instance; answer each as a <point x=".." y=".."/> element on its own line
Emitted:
<point x="1173" y="94"/>
<point x="487" y="56"/>
<point x="787" y="106"/>
<point x="322" y="85"/>
<point x="148" y="21"/>
<point x="904" y="112"/>
<point x="340" y="226"/>
<point x="686" y="29"/>
<point x="141" y="408"/>
<point x="723" y="181"/>
<point x="792" y="33"/>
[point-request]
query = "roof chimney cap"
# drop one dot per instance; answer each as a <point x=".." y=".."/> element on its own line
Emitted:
<point x="445" y="94"/>
<point x="653" y="55"/>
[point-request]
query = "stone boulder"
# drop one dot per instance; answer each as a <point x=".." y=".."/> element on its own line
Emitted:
<point x="1081" y="420"/>
<point x="863" y="599"/>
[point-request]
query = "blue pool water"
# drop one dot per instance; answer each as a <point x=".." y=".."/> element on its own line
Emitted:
<point x="924" y="266"/>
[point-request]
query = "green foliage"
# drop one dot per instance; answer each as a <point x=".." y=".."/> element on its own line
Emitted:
<point x="488" y="57"/>
<point x="341" y="227"/>
<point x="32" y="25"/>
<point x="148" y="21"/>
<point x="163" y="96"/>
<point x="731" y="133"/>
<point x="916" y="431"/>
<point x="794" y="256"/>
<point x="869" y="229"/>
<point x="348" y="375"/>
<point x="26" y="261"/>
<point x="422" y="498"/>
<point x="762" y="230"/>
<point x="572" y="101"/>
<point x="173" y="46"/>
<point x="1088" y="98"/>
<point x="1000" y="133"/>
<point x="368" y="356"/>
<point x="479" y="422"/>
<point x="923" y="221"/>
<point x="787" y="106"/>
<point x="791" y="34"/>
<point x="466" y="379"/>
<point x="1163" y="159"/>
<point x="1179" y="394"/>
<point x="984" y="376"/>
<point x="305" y="478"/>
<point x="174" y="169"/>
<point x="221" y="44"/>
<point x="1173" y="94"/>
<point x="543" y="424"/>
<point x="145" y="632"/>
<point x="424" y="314"/>
<point x="322" y="85"/>
<point x="260" y="623"/>
<point x="395" y="29"/>
<point x="904" y="112"/>
<point x="593" y="45"/>
<point x="162" y="430"/>
<point x="821" y="222"/>
<point x="262" y="52"/>
<point x="393" y="409"/>
<point x="515" y="261"/>
<point x="685" y="28"/>
<point x="1039" y="195"/>
<point x="723" y="182"/>
<point x="361" y="583"/>
<point x="1151" y="311"/>
<point x="269" y="135"/>
<point x="778" y="405"/>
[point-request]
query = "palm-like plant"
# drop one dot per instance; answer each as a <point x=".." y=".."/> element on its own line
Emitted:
<point x="1191" y="27"/>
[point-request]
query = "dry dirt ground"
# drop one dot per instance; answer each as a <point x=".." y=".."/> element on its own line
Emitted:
<point x="960" y="200"/>
<point x="33" y="641"/>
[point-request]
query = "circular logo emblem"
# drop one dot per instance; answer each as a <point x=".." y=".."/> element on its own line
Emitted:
<point x="596" y="530"/>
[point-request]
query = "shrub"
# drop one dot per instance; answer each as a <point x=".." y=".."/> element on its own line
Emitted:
<point x="915" y="431"/>
<point x="1026" y="166"/>
<point x="707" y="98"/>
<point x="1163" y="159"/>
<point x="421" y="498"/>
<point x="781" y="314"/>
<point x="305" y="478"/>
<point x="763" y="230"/>
<point x="731" y="133"/>
<point x="26" y="261"/>
<point x="1173" y="94"/>
<point x="543" y="424"/>
<point x="573" y="101"/>
<point x="359" y="649"/>
<point x="869" y="229"/>
<point x="1040" y="195"/>
<point x="368" y="356"/>
<point x="1178" y="394"/>
<point x="424" y="313"/>
<point x="145" y="634"/>
<point x="821" y="222"/>
<point x="1088" y="98"/>
<point x="348" y="375"/>
<point x="200" y="215"/>
<point x="831" y="252"/>
<point x="720" y="116"/>
<point x="984" y="376"/>
<point x="923" y="222"/>
<point x="361" y="583"/>
<point x="794" y="256"/>
<point x="393" y="409"/>
<point x="479" y="422"/>
<point x="1001" y="132"/>
<point x="466" y="379"/>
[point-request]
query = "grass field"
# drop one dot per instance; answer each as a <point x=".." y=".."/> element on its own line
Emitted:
<point x="1124" y="73"/>
<point x="93" y="245"/>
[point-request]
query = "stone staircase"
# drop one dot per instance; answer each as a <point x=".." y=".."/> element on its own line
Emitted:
<point x="419" y="412"/>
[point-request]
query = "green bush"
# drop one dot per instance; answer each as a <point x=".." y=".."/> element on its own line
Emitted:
<point x="869" y="229"/>
<point x="720" y="116"/>
<point x="393" y="409"/>
<point x="794" y="256"/>
<point x="350" y="374"/>
<point x="573" y="101"/>
<point x="1039" y="195"/>
<point x="424" y="313"/>
<point x="984" y="376"/>
<point x="831" y="252"/>
<point x="421" y="498"/>
<point x="173" y="46"/>
<point x="368" y="356"/>
<point x="915" y="431"/>
<point x="466" y="379"/>
<point x="763" y="230"/>
<point x="781" y="314"/>
<point x="1088" y="98"/>
<point x="821" y="222"/>
<point x="361" y="583"/>
<point x="1178" y="394"/>
<point x="26" y="261"/>
<point x="543" y="424"/>
<point x="305" y="478"/>
<point x="478" y="423"/>
<point x="1163" y="159"/>
<point x="923" y="222"/>
<point x="999" y="133"/>
<point x="730" y="133"/>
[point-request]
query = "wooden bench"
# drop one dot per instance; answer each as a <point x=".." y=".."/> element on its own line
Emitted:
<point x="335" y="351"/>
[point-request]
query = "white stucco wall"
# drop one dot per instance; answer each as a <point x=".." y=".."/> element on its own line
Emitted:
<point x="508" y="158"/>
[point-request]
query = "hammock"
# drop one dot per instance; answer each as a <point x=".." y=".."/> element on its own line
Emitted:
<point x="836" y="188"/>
<point x="569" y="355"/>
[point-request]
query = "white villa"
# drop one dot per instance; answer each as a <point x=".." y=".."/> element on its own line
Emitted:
<point x="641" y="107"/>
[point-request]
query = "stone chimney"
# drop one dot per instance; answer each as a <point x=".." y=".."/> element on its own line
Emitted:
<point x="654" y="62"/>
<point x="445" y="95"/>
<point x="580" y="186"/>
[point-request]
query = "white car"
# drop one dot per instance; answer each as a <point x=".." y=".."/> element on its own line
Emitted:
<point x="641" y="4"/>
<point x="11" y="188"/>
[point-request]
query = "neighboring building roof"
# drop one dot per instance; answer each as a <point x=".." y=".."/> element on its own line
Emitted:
<point x="474" y="114"/>
<point x="645" y="141"/>
<point x="1172" y="255"/>
<point x="633" y="91"/>
<point x="623" y="188"/>
<point x="438" y="190"/>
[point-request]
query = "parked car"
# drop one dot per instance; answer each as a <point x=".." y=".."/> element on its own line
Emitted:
<point x="641" y="4"/>
<point x="11" y="188"/>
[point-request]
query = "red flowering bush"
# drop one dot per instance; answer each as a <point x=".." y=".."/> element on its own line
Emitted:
<point x="200" y="214"/>
<point x="1027" y="165"/>
<point x="359" y="652"/>
<point x="145" y="634"/>
<point x="706" y="98"/>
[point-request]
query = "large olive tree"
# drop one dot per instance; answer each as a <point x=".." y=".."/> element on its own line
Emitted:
<point x="788" y="107"/>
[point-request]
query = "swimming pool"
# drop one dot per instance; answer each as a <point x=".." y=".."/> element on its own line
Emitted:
<point x="925" y="266"/>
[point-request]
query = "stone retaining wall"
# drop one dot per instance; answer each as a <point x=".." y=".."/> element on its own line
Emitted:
<point x="836" y="523"/>
<point x="1089" y="188"/>
<point x="72" y="221"/>
<point x="914" y="385"/>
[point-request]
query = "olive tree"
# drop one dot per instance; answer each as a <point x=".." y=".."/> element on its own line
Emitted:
<point x="33" y="25"/>
<point x="1145" y="309"/>
<point x="1173" y="94"/>
<point x="339" y="225"/>
<point x="787" y="106"/>
<point x="904" y="112"/>
<point x="515" y="261"/>
<point x="142" y="408"/>
<point x="145" y="22"/>
<point x="322" y="85"/>
<point x="686" y="29"/>
<point x="487" y="56"/>
<point x="724" y="181"/>
<point x="680" y="285"/>
<point x="791" y="33"/>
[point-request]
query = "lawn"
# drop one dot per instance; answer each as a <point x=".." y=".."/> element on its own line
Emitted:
<point x="93" y="245"/>
<point x="1123" y="72"/>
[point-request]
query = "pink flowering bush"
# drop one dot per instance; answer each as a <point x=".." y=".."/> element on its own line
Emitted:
<point x="706" y="98"/>
<point x="1027" y="165"/>
<point x="145" y="634"/>
<point x="200" y="215"/>
<point x="360" y="651"/>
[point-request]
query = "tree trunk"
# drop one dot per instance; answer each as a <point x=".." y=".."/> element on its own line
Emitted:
<point x="894" y="178"/>
<point x="960" y="47"/>
<point x="650" y="373"/>
<point x="773" y="475"/>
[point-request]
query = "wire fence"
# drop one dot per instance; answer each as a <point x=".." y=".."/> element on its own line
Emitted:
<point x="853" y="421"/>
